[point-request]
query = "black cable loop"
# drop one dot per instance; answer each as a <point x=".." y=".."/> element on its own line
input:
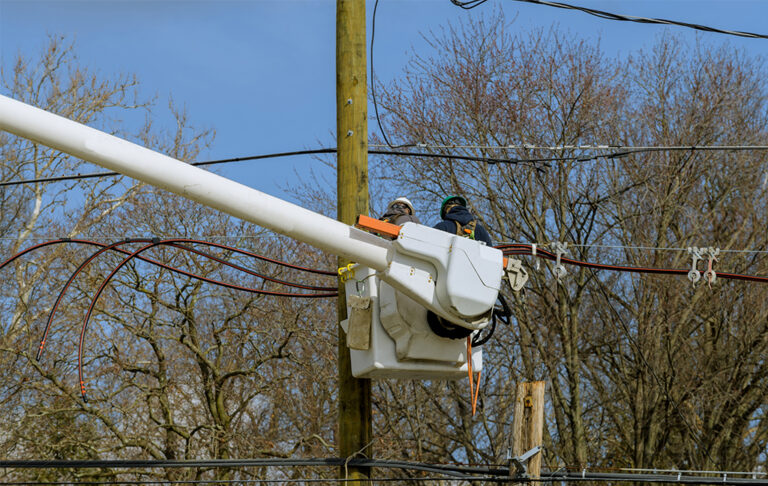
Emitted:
<point x="503" y="314"/>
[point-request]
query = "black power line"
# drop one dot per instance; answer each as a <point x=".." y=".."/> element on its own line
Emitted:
<point x="491" y="473"/>
<point x="535" y="163"/>
<point x="94" y="175"/>
<point x="468" y="5"/>
<point x="373" y="79"/>
<point x="624" y="18"/>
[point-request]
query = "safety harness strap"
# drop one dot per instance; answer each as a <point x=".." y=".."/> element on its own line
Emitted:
<point x="467" y="230"/>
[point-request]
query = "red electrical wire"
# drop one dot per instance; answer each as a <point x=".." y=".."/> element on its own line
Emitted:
<point x="36" y="247"/>
<point x="266" y="259"/>
<point x="515" y="249"/>
<point x="66" y="286"/>
<point x="114" y="247"/>
<point x="251" y="272"/>
<point x="135" y="254"/>
<point x="217" y="245"/>
<point x="523" y="249"/>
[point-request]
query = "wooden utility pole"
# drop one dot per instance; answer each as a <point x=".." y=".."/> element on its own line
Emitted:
<point x="528" y="423"/>
<point x="355" y="430"/>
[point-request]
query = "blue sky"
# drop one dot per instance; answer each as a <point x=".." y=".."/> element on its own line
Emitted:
<point x="261" y="72"/>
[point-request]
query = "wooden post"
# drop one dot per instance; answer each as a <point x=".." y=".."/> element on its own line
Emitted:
<point x="528" y="423"/>
<point x="354" y="429"/>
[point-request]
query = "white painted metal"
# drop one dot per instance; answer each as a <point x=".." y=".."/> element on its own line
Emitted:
<point x="401" y="344"/>
<point x="457" y="278"/>
<point x="191" y="182"/>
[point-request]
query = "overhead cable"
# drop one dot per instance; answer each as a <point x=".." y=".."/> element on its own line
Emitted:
<point x="656" y="248"/>
<point x="588" y="476"/>
<point x="373" y="77"/>
<point x="537" y="163"/>
<point x="149" y="245"/>
<point x="638" y="148"/>
<point x="468" y="5"/>
<point x="174" y="243"/>
<point x="525" y="249"/>
<point x="93" y="175"/>
<point x="115" y="247"/>
<point x="643" y="248"/>
<point x="463" y="472"/>
<point x="625" y="18"/>
<point x="492" y="473"/>
<point x="156" y="482"/>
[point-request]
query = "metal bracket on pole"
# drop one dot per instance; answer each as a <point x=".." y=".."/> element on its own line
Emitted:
<point x="518" y="466"/>
<point x="696" y="255"/>
<point x="710" y="274"/>
<point x="515" y="273"/>
<point x="559" y="248"/>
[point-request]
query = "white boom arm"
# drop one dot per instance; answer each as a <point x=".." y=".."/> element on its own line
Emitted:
<point x="447" y="274"/>
<point x="192" y="182"/>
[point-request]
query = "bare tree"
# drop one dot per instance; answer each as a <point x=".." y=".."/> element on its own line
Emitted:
<point x="623" y="355"/>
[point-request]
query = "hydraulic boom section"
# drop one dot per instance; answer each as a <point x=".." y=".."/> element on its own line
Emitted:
<point x="455" y="278"/>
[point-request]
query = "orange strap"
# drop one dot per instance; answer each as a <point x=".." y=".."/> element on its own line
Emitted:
<point x="381" y="227"/>
<point x="473" y="391"/>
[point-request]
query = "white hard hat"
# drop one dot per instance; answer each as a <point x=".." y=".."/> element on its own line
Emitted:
<point x="405" y="201"/>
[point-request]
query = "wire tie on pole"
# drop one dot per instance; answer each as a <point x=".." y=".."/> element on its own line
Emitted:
<point x="583" y="473"/>
<point x="537" y="264"/>
<point x="696" y="255"/>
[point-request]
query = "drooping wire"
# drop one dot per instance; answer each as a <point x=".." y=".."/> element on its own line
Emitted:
<point x="66" y="286"/>
<point x="115" y="247"/>
<point x="135" y="254"/>
<point x="525" y="249"/>
<point x="449" y="473"/>
<point x="373" y="84"/>
<point x="643" y="20"/>
<point x="468" y="5"/>
<point x="373" y="77"/>
<point x="252" y="272"/>
<point x="536" y="163"/>
<point x="501" y="313"/>
<point x="204" y="163"/>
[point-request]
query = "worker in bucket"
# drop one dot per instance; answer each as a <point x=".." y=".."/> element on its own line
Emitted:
<point x="456" y="218"/>
<point x="399" y="212"/>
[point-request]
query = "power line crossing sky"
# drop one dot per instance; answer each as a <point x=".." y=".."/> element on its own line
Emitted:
<point x="261" y="72"/>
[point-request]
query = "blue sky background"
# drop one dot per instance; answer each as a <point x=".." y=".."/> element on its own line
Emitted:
<point x="261" y="72"/>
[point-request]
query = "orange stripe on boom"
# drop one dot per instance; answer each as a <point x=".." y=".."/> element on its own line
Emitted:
<point x="377" y="226"/>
